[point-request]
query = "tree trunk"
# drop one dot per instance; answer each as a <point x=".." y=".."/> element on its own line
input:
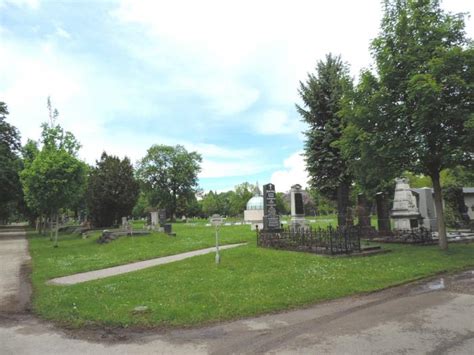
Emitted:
<point x="342" y="203"/>
<point x="56" y="232"/>
<point x="51" y="227"/>
<point x="438" y="197"/>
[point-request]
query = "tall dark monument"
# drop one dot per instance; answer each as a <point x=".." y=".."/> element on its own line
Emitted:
<point x="383" y="214"/>
<point x="271" y="220"/>
<point x="363" y="214"/>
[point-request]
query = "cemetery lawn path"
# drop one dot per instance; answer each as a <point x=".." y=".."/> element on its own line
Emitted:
<point x="249" y="281"/>
<point x="139" y="265"/>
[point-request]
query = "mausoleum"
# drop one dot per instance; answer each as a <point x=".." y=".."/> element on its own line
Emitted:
<point x="253" y="214"/>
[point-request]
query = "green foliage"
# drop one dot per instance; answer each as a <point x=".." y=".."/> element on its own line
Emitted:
<point x="140" y="208"/>
<point x="424" y="63"/>
<point x="416" y="114"/>
<point x="169" y="174"/>
<point x="10" y="164"/>
<point x="53" y="135"/>
<point x="282" y="204"/>
<point x="212" y="204"/>
<point x="53" y="180"/>
<point x="323" y="205"/>
<point x="322" y="96"/>
<point x="231" y="203"/>
<point x="112" y="190"/>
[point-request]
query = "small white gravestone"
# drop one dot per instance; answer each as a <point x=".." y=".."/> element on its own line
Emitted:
<point x="216" y="221"/>
<point x="155" y="221"/>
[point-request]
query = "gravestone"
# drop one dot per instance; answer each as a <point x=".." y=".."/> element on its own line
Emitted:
<point x="124" y="223"/>
<point x="383" y="214"/>
<point x="297" y="208"/>
<point x="162" y="217"/>
<point x="405" y="213"/>
<point x="426" y="207"/>
<point x="363" y="214"/>
<point x="271" y="220"/>
<point x="154" y="219"/>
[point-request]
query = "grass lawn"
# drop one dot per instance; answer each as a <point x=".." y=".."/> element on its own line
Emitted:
<point x="249" y="280"/>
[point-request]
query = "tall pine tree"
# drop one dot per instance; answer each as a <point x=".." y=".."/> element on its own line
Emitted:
<point x="322" y="95"/>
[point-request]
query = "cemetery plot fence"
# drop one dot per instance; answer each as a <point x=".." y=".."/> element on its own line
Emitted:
<point x="418" y="236"/>
<point x="332" y="241"/>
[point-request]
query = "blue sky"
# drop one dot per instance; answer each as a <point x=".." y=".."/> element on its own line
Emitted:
<point x="219" y="77"/>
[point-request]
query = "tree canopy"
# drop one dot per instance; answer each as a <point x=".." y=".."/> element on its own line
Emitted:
<point x="112" y="190"/>
<point x="415" y="114"/>
<point x="322" y="95"/>
<point x="169" y="174"/>
<point x="10" y="165"/>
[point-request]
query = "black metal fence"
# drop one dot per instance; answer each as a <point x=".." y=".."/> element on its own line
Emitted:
<point x="333" y="241"/>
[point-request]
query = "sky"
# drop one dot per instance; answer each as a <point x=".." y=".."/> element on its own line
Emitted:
<point x="219" y="77"/>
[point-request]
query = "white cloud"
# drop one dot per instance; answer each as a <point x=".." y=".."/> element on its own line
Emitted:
<point x="294" y="173"/>
<point x="62" y="33"/>
<point x="277" y="122"/>
<point x="33" y="4"/>
<point x="222" y="169"/>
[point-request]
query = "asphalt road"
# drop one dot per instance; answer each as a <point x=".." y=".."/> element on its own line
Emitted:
<point x="434" y="316"/>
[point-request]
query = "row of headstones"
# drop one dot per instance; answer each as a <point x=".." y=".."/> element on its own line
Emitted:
<point x="271" y="220"/>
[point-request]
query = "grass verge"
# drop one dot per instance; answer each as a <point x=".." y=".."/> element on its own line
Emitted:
<point x="249" y="281"/>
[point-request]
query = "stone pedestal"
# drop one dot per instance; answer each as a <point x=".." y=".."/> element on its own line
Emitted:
<point x="297" y="208"/>
<point x="405" y="213"/>
<point x="155" y="221"/>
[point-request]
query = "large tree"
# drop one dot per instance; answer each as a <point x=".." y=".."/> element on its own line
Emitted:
<point x="112" y="190"/>
<point x="54" y="179"/>
<point x="421" y="107"/>
<point x="168" y="175"/>
<point x="322" y="95"/>
<point x="10" y="163"/>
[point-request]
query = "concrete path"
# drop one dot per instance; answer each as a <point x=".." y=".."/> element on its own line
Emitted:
<point x="122" y="269"/>
<point x="14" y="267"/>
<point x="431" y="317"/>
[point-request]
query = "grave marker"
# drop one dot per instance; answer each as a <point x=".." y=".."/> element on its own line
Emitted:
<point x="271" y="220"/>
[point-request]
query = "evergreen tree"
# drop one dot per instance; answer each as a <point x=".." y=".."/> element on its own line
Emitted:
<point x="112" y="190"/>
<point x="323" y="94"/>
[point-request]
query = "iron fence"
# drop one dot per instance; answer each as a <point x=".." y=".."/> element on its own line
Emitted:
<point x="333" y="241"/>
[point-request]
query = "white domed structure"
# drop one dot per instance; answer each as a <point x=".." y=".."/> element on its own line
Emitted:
<point x="254" y="212"/>
<point x="255" y="203"/>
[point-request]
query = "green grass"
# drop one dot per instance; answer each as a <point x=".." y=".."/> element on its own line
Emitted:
<point x="249" y="280"/>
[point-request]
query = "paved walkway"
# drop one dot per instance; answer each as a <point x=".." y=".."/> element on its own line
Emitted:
<point x="14" y="264"/>
<point x="122" y="269"/>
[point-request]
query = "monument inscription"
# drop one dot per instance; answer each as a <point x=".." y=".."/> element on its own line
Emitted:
<point x="271" y="219"/>
<point x="299" y="206"/>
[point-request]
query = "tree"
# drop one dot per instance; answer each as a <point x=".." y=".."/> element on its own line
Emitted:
<point x="167" y="174"/>
<point x="53" y="178"/>
<point x="211" y="204"/>
<point x="241" y="195"/>
<point x="282" y="205"/>
<point x="421" y="107"/>
<point x="112" y="190"/>
<point x="323" y="94"/>
<point x="52" y="181"/>
<point x="10" y="164"/>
